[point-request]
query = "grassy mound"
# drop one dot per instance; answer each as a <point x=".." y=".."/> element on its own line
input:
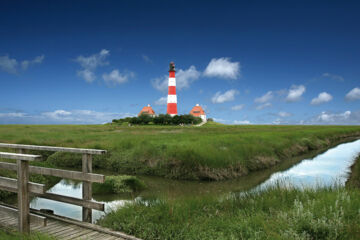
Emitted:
<point x="119" y="184"/>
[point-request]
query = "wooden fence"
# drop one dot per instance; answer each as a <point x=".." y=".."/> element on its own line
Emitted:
<point x="24" y="188"/>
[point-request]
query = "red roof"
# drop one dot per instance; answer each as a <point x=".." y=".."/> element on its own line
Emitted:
<point x="197" y="111"/>
<point x="147" y="110"/>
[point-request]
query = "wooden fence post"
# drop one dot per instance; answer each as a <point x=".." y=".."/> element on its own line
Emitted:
<point x="86" y="187"/>
<point x="23" y="195"/>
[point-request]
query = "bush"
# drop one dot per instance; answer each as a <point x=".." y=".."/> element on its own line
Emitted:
<point x="165" y="119"/>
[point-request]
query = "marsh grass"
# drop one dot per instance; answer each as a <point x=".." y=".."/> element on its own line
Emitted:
<point x="274" y="213"/>
<point x="213" y="151"/>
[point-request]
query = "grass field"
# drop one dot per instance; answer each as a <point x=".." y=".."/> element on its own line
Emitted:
<point x="213" y="151"/>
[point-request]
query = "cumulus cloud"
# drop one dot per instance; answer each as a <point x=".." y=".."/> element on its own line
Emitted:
<point x="224" y="97"/>
<point x="321" y="98"/>
<point x="262" y="106"/>
<point x="90" y="63"/>
<point x="223" y="68"/>
<point x="336" y="118"/>
<point x="265" y="98"/>
<point x="331" y="118"/>
<point x="8" y="64"/>
<point x="354" y="94"/>
<point x="27" y="63"/>
<point x="184" y="78"/>
<point x="116" y="78"/>
<point x="295" y="93"/>
<point x="284" y="114"/>
<point x="161" y="101"/>
<point x="87" y="74"/>
<point x="243" y="122"/>
<point x="11" y="65"/>
<point x="238" y="107"/>
<point x="333" y="76"/>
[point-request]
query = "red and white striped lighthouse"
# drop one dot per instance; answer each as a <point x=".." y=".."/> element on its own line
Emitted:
<point x="172" y="99"/>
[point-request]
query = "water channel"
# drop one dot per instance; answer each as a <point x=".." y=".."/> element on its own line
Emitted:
<point x="326" y="168"/>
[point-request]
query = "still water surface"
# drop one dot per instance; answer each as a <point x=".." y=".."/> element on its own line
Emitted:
<point x="324" y="169"/>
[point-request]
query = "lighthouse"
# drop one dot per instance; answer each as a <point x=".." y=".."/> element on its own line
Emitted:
<point x="172" y="99"/>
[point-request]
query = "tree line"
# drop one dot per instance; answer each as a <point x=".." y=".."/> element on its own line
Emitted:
<point x="161" y="119"/>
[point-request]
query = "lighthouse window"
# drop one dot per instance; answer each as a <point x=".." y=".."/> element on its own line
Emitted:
<point x="196" y="111"/>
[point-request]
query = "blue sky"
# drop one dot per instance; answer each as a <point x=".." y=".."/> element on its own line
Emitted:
<point x="291" y="62"/>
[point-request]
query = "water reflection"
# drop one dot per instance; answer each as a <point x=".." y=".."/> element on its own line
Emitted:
<point x="325" y="168"/>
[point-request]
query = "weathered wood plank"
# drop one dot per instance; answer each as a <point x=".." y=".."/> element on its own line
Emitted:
<point x="17" y="156"/>
<point x="23" y="196"/>
<point x="63" y="234"/>
<point x="10" y="184"/>
<point x="86" y="188"/>
<point x="87" y="236"/>
<point x="55" y="149"/>
<point x="34" y="219"/>
<point x="80" y="233"/>
<point x="76" y="201"/>
<point x="75" y="175"/>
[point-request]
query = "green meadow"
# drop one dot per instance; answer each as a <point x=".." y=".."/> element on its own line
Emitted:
<point x="211" y="152"/>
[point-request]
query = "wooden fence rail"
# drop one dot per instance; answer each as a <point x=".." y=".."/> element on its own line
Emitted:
<point x="23" y="187"/>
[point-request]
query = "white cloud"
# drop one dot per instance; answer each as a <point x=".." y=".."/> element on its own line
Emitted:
<point x="265" y="98"/>
<point x="238" y="107"/>
<point x="87" y="74"/>
<point x="224" y="97"/>
<point x="58" y="114"/>
<point x="116" y="78"/>
<point x="12" y="115"/>
<point x="220" y="120"/>
<point x="354" y="94"/>
<point x="277" y="121"/>
<point x="333" y="76"/>
<point x="295" y="93"/>
<point x="161" y="101"/>
<point x="223" y="68"/>
<point x="8" y="64"/>
<point x="160" y="84"/>
<point x="37" y="60"/>
<point x="344" y="118"/>
<point x="262" y="106"/>
<point x="90" y="63"/>
<point x="242" y="122"/>
<point x="321" y="98"/>
<point x="333" y="117"/>
<point x="284" y="114"/>
<point x="184" y="78"/>
<point x="11" y="65"/>
<point x="62" y="117"/>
